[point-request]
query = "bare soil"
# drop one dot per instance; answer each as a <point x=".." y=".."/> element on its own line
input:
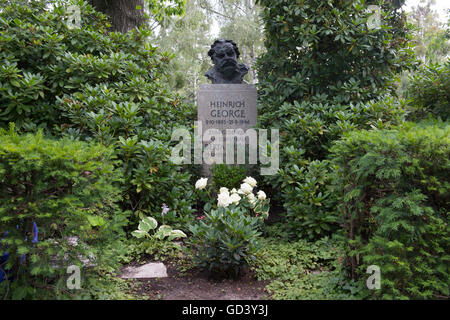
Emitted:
<point x="196" y="285"/>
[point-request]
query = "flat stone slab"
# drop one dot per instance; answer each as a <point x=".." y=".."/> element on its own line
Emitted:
<point x="149" y="270"/>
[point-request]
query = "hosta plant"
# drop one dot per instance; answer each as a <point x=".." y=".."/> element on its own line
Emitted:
<point x="147" y="229"/>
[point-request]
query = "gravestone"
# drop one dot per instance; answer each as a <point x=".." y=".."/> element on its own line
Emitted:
<point x="227" y="103"/>
<point x="226" y="106"/>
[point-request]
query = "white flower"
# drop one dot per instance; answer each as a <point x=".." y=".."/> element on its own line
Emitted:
<point x="261" y="195"/>
<point x="223" y="190"/>
<point x="201" y="183"/>
<point x="246" y="188"/>
<point x="250" y="181"/>
<point x="223" y="200"/>
<point x="234" y="190"/>
<point x="235" y="198"/>
<point x="251" y="198"/>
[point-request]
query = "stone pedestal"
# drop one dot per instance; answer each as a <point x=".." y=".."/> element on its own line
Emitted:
<point x="222" y="107"/>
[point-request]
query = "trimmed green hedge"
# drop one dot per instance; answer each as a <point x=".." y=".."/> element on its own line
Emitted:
<point x="395" y="207"/>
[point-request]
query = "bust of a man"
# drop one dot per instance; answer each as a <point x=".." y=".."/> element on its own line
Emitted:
<point x="224" y="54"/>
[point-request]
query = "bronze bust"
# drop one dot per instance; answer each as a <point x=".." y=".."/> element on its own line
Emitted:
<point x="224" y="54"/>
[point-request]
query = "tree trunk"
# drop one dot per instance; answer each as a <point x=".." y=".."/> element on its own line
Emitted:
<point x="123" y="14"/>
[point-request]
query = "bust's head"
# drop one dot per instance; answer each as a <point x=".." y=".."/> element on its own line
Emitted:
<point x="225" y="54"/>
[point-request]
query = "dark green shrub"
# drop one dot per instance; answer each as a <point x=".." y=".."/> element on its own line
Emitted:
<point x="90" y="84"/>
<point x="151" y="181"/>
<point x="223" y="241"/>
<point x="67" y="189"/>
<point x="429" y="92"/>
<point x="228" y="176"/>
<point x="319" y="48"/>
<point x="325" y="73"/>
<point x="90" y="69"/>
<point x="36" y="47"/>
<point x="310" y="200"/>
<point x="395" y="207"/>
<point x="307" y="131"/>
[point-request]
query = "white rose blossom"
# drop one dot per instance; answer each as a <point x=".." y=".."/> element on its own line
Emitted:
<point x="235" y="198"/>
<point x="251" y="181"/>
<point x="201" y="183"/>
<point x="261" y="195"/>
<point x="223" y="190"/>
<point x="246" y="188"/>
<point x="223" y="200"/>
<point x="233" y="190"/>
<point x="251" y="198"/>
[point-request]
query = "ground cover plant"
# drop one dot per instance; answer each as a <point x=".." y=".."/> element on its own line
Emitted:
<point x="304" y="270"/>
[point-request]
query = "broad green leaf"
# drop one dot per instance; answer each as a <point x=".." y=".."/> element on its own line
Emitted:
<point x="95" y="221"/>
<point x="143" y="226"/>
<point x="151" y="222"/>
<point x="174" y="234"/>
<point x="163" y="231"/>
<point x="139" y="234"/>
